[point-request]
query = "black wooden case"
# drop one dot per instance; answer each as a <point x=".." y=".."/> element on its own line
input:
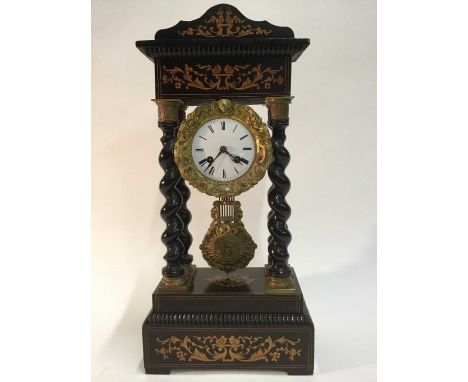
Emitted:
<point x="210" y="325"/>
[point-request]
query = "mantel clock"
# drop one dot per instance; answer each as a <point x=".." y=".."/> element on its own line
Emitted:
<point x="227" y="315"/>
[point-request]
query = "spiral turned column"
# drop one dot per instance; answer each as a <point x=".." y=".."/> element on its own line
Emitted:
<point x="279" y="272"/>
<point x="184" y="212"/>
<point x="186" y="217"/>
<point x="175" y="277"/>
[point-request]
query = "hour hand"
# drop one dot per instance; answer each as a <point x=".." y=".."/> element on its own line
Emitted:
<point x="235" y="158"/>
<point x="238" y="159"/>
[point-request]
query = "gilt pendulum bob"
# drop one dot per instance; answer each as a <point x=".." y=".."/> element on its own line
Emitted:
<point x="227" y="246"/>
<point x="227" y="315"/>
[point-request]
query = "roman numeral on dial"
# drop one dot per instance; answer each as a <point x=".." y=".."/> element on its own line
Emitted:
<point x="212" y="170"/>
<point x="224" y="174"/>
<point x="223" y="125"/>
<point x="211" y="128"/>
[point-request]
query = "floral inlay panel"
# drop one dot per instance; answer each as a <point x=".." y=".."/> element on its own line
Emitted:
<point x="222" y="77"/>
<point x="228" y="349"/>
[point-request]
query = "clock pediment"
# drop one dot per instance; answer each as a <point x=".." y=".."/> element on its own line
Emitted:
<point x="223" y="21"/>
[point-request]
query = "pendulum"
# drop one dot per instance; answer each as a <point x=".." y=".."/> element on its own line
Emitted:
<point x="227" y="246"/>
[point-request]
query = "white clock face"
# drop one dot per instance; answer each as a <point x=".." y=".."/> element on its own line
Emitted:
<point x="223" y="149"/>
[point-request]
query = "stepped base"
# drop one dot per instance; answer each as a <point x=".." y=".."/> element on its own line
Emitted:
<point x="264" y="338"/>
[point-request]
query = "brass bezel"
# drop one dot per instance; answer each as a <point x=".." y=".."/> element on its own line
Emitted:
<point x="223" y="109"/>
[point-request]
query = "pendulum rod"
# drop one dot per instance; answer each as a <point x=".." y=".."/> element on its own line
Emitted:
<point x="226" y="209"/>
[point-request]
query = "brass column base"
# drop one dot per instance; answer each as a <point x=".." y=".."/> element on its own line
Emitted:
<point x="178" y="284"/>
<point x="276" y="285"/>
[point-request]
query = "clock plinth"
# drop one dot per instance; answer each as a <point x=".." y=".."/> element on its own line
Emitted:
<point x="203" y="318"/>
<point x="219" y="326"/>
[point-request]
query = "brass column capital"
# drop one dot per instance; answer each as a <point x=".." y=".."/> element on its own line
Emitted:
<point x="278" y="107"/>
<point x="170" y="109"/>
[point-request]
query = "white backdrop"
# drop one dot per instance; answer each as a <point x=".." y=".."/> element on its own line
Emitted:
<point x="331" y="139"/>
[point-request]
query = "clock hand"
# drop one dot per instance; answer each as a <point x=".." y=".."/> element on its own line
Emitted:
<point x="211" y="163"/>
<point x="220" y="152"/>
<point x="228" y="153"/>
<point x="236" y="158"/>
<point x="208" y="159"/>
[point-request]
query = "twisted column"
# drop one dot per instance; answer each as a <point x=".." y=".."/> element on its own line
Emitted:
<point x="168" y="121"/>
<point x="280" y="237"/>
<point x="184" y="212"/>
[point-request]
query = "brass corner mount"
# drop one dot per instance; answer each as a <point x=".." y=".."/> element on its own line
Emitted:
<point x="170" y="109"/>
<point x="277" y="285"/>
<point x="278" y="107"/>
<point x="181" y="284"/>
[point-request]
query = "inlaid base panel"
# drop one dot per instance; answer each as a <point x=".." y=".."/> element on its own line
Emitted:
<point x="245" y="341"/>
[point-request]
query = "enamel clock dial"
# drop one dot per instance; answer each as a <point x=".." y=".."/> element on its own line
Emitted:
<point x="223" y="149"/>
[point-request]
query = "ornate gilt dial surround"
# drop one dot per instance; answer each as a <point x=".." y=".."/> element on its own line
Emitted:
<point x="223" y="109"/>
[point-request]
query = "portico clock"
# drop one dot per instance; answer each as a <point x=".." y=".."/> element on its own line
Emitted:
<point x="228" y="315"/>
